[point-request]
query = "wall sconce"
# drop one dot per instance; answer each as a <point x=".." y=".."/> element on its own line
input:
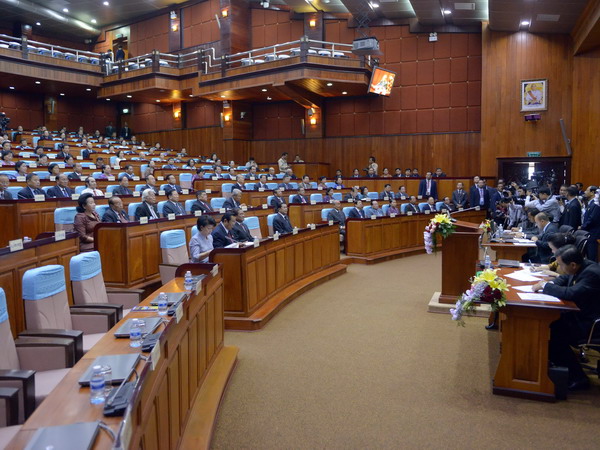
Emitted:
<point x="224" y="12"/>
<point x="175" y="27"/>
<point x="177" y="113"/>
<point x="312" y="23"/>
<point x="227" y="117"/>
<point x="313" y="120"/>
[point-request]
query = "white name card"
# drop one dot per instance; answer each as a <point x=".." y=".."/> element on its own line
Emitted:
<point x="460" y="208"/>
<point x="155" y="355"/>
<point x="477" y="208"/>
<point x="161" y="192"/>
<point x="270" y="178"/>
<point x="116" y="167"/>
<point x="313" y="202"/>
<point x="20" y="179"/>
<point x="252" y="178"/>
<point x="392" y="215"/>
<point x="136" y="178"/>
<point x="160" y="178"/>
<point x="108" y="195"/>
<point x="350" y="200"/>
<point x="214" y="178"/>
<point x="75" y="196"/>
<point x="427" y="211"/>
<point x="215" y="270"/>
<point x="295" y="230"/>
<point x="330" y="222"/>
<point x="33" y="165"/>
<point x="386" y="198"/>
<point x="222" y="210"/>
<point x="276" y="236"/>
<point x="59" y="235"/>
<point x="261" y="189"/>
<point x="208" y="191"/>
<point x="409" y="213"/>
<point x="244" y="208"/>
<point x="185" y="191"/>
<point x="265" y="206"/>
<point x="79" y="157"/>
<point x="39" y="198"/>
<point x="171" y="216"/>
<point x="143" y="220"/>
<point x="53" y="178"/>
<point x="110" y="178"/>
<point x="313" y="226"/>
<point x="179" y="312"/>
<point x="320" y="188"/>
<point x="419" y="197"/>
<point x="92" y="166"/>
<point x="198" y="213"/>
<point x="15" y="245"/>
<point x="198" y="287"/>
<point x="256" y="243"/>
<point x="61" y="166"/>
<point x="136" y="193"/>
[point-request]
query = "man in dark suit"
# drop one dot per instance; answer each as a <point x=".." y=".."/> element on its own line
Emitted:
<point x="150" y="184"/>
<point x="580" y="283"/>
<point x="387" y="193"/>
<point x="439" y="173"/>
<point x="88" y="151"/>
<point x="262" y="184"/>
<point x="77" y="174"/>
<point x="4" y="182"/>
<point x="285" y="184"/>
<point x="459" y="196"/>
<point x="252" y="174"/>
<point x="172" y="206"/>
<point x="412" y="205"/>
<point x="591" y="223"/>
<point x="32" y="189"/>
<point x="428" y="187"/>
<point x="129" y="172"/>
<point x="430" y="206"/>
<point x="300" y="197"/>
<point x="123" y="187"/>
<point x="235" y="201"/>
<point x="547" y="229"/>
<point x="172" y="184"/>
<point x="277" y="199"/>
<point x="115" y="213"/>
<point x="496" y="195"/>
<point x="572" y="214"/>
<point x="201" y="203"/>
<point x="62" y="189"/>
<point x="126" y="132"/>
<point x="281" y="222"/>
<point x="222" y="235"/>
<point x="447" y="206"/>
<point x="109" y="130"/>
<point x="337" y="214"/>
<point x="480" y="196"/>
<point x="239" y="184"/>
<point x="357" y="212"/>
<point x="241" y="232"/>
<point x="148" y="206"/>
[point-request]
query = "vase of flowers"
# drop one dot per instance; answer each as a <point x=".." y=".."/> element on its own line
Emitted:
<point x="440" y="224"/>
<point x="486" y="287"/>
<point x="486" y="226"/>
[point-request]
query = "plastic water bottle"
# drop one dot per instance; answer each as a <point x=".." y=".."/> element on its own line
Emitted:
<point x="500" y="230"/>
<point x="487" y="264"/>
<point x="188" y="282"/>
<point x="97" y="386"/>
<point x="135" y="336"/>
<point x="163" y="305"/>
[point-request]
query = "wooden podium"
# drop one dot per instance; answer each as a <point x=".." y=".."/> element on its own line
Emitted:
<point x="460" y="253"/>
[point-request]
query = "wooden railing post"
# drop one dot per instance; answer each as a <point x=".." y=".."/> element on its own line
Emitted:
<point x="224" y="64"/>
<point x="24" y="49"/>
<point x="155" y="60"/>
<point x="304" y="45"/>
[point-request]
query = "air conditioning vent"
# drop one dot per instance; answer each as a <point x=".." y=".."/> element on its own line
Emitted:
<point x="465" y="6"/>
<point x="548" y="17"/>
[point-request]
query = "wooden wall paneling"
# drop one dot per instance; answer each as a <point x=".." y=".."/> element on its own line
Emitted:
<point x="503" y="130"/>
<point x="586" y="117"/>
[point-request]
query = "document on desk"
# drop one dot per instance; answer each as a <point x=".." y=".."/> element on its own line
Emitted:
<point x="522" y="275"/>
<point x="526" y="288"/>
<point x="538" y="297"/>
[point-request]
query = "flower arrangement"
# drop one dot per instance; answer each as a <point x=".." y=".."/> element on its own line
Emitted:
<point x="486" y="287"/>
<point x="440" y="224"/>
<point x="486" y="225"/>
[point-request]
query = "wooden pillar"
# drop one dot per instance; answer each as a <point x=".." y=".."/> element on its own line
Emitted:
<point x="314" y="27"/>
<point x="175" y="30"/>
<point x="235" y="26"/>
<point x="237" y="130"/>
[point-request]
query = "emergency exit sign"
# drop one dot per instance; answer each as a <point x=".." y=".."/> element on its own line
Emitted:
<point x="534" y="154"/>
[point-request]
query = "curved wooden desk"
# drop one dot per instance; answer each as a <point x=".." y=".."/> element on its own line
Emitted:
<point x="259" y="281"/>
<point x="176" y="403"/>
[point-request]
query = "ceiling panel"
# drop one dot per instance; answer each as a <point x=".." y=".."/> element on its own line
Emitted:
<point x="507" y="15"/>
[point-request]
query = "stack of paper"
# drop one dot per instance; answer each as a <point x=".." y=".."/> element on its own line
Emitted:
<point x="538" y="297"/>
<point x="523" y="275"/>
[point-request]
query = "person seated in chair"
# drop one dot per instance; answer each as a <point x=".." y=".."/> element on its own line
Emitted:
<point x="115" y="213"/>
<point x="447" y="206"/>
<point x="285" y="184"/>
<point x="235" y="201"/>
<point x="306" y="182"/>
<point x="4" y="182"/>
<point x="241" y="232"/>
<point x="337" y="215"/>
<point x="547" y="229"/>
<point x="62" y="189"/>
<point x="300" y="197"/>
<point x="148" y="206"/>
<point x="123" y="187"/>
<point x="393" y="209"/>
<point x="352" y="195"/>
<point x="172" y="206"/>
<point x="277" y="199"/>
<point x="239" y="183"/>
<point x="376" y="210"/>
<point x="387" y="193"/>
<point x="262" y="183"/>
<point x="150" y="184"/>
<point x="201" y="243"/>
<point x="281" y="222"/>
<point x="32" y="189"/>
<point x="172" y="184"/>
<point x="430" y="206"/>
<point x="412" y="205"/>
<point x="201" y="203"/>
<point x="579" y="284"/>
<point x="222" y="235"/>
<point x="357" y="212"/>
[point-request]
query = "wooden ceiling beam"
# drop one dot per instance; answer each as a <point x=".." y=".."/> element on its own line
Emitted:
<point x="586" y="34"/>
<point x="303" y="97"/>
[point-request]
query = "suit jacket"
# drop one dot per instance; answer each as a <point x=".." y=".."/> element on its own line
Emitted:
<point x="74" y="177"/>
<point x="6" y="195"/>
<point x="450" y="207"/>
<point x="260" y="185"/>
<point x="147" y="186"/>
<point x="204" y="207"/>
<point x="591" y="220"/>
<point x="572" y="214"/>
<point x="126" y="133"/>
<point x="428" y="207"/>
<point x="459" y="198"/>
<point x="583" y="289"/>
<point x="56" y="192"/>
<point x="299" y="199"/>
<point x="355" y="213"/>
<point x="412" y="208"/>
<point x="222" y="237"/>
<point x="336" y="216"/>
<point x="111" y="216"/>
<point x="27" y="193"/>
<point x="86" y="153"/>
<point x="237" y="186"/>
<point x="495" y="196"/>
<point x="475" y="197"/>
<point x="543" y="249"/>
<point x="282" y="224"/>
<point x="230" y="203"/>
<point x="286" y="186"/>
<point x="144" y="211"/>
<point x="122" y="190"/>
<point x="241" y="232"/>
<point x="169" y="188"/>
<point x="423" y="189"/>
<point x="173" y="208"/>
<point x="276" y="202"/>
<point x="384" y="194"/>
<point x="109" y="130"/>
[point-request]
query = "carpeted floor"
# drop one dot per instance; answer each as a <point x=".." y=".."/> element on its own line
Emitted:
<point x="359" y="363"/>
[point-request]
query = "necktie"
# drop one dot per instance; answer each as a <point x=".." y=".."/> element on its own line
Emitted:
<point x="152" y="211"/>
<point x="481" y="199"/>
<point x="64" y="191"/>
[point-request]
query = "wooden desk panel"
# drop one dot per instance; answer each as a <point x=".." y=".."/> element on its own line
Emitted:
<point x="192" y="359"/>
<point x="35" y="254"/>
<point x="508" y="250"/>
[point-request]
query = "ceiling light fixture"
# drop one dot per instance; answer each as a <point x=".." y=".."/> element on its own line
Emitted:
<point x="329" y="84"/>
<point x="312" y="23"/>
<point x="264" y="90"/>
<point x="11" y="87"/>
<point x="129" y="96"/>
<point x="106" y="3"/>
<point x="62" y="94"/>
<point x="38" y="82"/>
<point x="269" y="98"/>
<point x="93" y="21"/>
<point x="524" y="23"/>
<point x="88" y="89"/>
<point x="344" y="93"/>
<point x="65" y="10"/>
<point x="38" y="24"/>
<point x="447" y="11"/>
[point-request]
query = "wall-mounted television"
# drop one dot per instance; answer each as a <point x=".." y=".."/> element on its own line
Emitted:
<point x="382" y="81"/>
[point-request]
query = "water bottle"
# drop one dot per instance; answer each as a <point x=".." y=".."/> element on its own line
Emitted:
<point x="135" y="336"/>
<point x="188" y="282"/>
<point x="500" y="230"/>
<point x="97" y="386"/>
<point x="163" y="305"/>
<point x="487" y="262"/>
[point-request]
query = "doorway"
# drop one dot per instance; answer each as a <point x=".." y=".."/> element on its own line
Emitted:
<point x="536" y="170"/>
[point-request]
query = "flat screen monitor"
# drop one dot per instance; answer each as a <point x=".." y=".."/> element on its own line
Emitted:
<point x="382" y="81"/>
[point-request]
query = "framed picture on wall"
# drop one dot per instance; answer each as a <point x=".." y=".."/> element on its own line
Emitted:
<point x="534" y="95"/>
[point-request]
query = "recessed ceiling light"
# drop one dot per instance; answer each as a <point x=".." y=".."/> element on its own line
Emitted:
<point x="264" y="90"/>
<point x="65" y="10"/>
<point x="62" y="93"/>
<point x="222" y="96"/>
<point x="108" y="99"/>
<point x="38" y="82"/>
<point x="344" y="93"/>
<point x="269" y="98"/>
<point x="88" y="89"/>
<point x="374" y="5"/>
<point x="329" y="84"/>
<point x="129" y="96"/>
<point x="191" y="95"/>
<point x="106" y="3"/>
<point x="93" y="20"/>
<point x="524" y="23"/>
<point x="157" y="101"/>
<point x="38" y="24"/>
<point x="447" y="11"/>
<point x="11" y="87"/>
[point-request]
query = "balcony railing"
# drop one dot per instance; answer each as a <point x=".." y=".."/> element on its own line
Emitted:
<point x="24" y="46"/>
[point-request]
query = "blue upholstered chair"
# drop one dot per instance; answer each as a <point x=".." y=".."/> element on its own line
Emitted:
<point x="253" y="225"/>
<point x="316" y="197"/>
<point x="174" y="251"/>
<point x="270" y="218"/>
<point x="64" y="217"/>
<point x="217" y="203"/>
<point x="324" y="213"/>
